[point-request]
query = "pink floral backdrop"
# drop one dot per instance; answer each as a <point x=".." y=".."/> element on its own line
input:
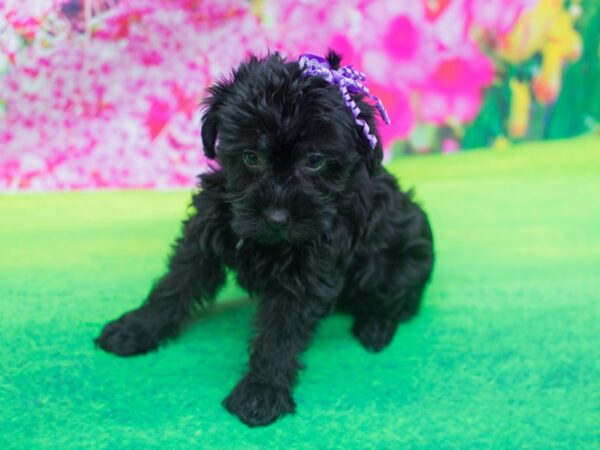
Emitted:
<point x="104" y="94"/>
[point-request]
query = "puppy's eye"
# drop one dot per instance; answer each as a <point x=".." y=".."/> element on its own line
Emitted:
<point x="315" y="161"/>
<point x="250" y="158"/>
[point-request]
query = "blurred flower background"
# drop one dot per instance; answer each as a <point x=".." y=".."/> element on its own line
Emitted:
<point x="104" y="93"/>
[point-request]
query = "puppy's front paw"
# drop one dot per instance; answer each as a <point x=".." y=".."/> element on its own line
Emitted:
<point x="126" y="336"/>
<point x="259" y="404"/>
<point x="374" y="333"/>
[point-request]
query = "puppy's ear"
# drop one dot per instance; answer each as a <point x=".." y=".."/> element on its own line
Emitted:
<point x="210" y="119"/>
<point x="372" y="157"/>
<point x="374" y="160"/>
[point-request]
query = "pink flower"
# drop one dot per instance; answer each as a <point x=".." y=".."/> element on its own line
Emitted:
<point x="401" y="39"/>
<point x="158" y="117"/>
<point x="398" y="106"/>
<point x="402" y="49"/>
<point x="453" y="92"/>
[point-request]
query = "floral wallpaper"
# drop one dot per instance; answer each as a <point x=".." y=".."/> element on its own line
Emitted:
<point x="105" y="93"/>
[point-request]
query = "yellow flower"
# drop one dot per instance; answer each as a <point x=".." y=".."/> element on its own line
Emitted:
<point x="518" y="119"/>
<point x="563" y="43"/>
<point x="547" y="29"/>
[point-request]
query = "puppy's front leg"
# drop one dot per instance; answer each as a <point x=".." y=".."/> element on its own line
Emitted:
<point x="285" y="325"/>
<point x="196" y="272"/>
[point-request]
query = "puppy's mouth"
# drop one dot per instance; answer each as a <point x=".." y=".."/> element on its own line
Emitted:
<point x="272" y="237"/>
<point x="266" y="234"/>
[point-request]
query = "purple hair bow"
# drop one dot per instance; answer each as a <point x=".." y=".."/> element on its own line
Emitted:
<point x="349" y="82"/>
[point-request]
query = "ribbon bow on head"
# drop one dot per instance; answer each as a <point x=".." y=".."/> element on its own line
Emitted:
<point x="349" y="82"/>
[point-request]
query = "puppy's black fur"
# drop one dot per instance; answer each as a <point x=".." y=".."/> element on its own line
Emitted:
<point x="305" y="214"/>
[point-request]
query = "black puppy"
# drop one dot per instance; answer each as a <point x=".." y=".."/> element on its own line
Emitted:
<point x="303" y="211"/>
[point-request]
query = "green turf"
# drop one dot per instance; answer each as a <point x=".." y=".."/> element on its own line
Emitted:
<point x="505" y="353"/>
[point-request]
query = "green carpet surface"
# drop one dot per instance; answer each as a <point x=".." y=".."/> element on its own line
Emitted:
<point x="505" y="353"/>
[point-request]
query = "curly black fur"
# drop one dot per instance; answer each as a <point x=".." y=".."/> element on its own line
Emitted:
<point x="300" y="238"/>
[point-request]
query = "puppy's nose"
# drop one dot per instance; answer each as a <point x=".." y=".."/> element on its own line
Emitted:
<point x="277" y="218"/>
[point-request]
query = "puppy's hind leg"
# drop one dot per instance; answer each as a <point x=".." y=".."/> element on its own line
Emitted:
<point x="375" y="323"/>
<point x="396" y="296"/>
<point x="195" y="274"/>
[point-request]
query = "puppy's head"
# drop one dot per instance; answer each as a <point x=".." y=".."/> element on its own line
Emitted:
<point x="289" y="147"/>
